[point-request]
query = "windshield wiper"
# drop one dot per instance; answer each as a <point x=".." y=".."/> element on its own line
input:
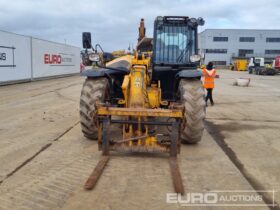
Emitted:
<point x="186" y="49"/>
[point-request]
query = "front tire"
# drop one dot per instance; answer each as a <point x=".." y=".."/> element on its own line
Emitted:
<point x="192" y="96"/>
<point x="93" y="90"/>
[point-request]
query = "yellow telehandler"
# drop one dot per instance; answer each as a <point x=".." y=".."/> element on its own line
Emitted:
<point x="157" y="86"/>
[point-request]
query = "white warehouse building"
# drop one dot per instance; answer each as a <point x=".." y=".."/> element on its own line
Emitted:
<point x="223" y="46"/>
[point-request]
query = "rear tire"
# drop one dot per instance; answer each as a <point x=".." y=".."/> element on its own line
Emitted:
<point x="93" y="90"/>
<point x="270" y="72"/>
<point x="192" y="96"/>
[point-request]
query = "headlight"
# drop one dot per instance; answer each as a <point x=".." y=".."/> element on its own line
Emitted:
<point x="193" y="20"/>
<point x="94" y="57"/>
<point x="195" y="58"/>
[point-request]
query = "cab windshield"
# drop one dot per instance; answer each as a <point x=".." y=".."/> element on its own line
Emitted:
<point x="174" y="44"/>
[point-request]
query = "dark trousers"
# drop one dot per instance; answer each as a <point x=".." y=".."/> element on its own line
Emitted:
<point x="209" y="95"/>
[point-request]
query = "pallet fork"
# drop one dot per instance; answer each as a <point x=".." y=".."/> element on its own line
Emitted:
<point x="137" y="144"/>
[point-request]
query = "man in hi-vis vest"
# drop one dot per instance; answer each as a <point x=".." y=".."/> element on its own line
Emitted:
<point x="209" y="81"/>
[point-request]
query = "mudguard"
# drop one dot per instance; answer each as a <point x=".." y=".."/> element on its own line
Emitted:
<point x="189" y="74"/>
<point x="102" y="72"/>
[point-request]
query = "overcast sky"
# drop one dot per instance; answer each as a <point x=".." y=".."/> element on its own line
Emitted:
<point x="114" y="23"/>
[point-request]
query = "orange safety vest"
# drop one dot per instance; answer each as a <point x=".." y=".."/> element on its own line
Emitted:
<point x="209" y="77"/>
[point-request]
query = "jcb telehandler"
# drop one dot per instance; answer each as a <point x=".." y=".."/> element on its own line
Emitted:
<point x="146" y="90"/>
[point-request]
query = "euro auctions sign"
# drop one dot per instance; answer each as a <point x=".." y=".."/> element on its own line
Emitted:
<point x="52" y="59"/>
<point x="7" y="56"/>
<point x="59" y="59"/>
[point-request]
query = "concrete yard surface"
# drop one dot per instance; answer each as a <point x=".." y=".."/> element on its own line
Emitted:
<point x="246" y="122"/>
<point x="45" y="160"/>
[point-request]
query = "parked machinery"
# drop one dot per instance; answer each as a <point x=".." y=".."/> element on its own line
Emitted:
<point x="145" y="91"/>
<point x="276" y="64"/>
<point x="257" y="66"/>
<point x="240" y="65"/>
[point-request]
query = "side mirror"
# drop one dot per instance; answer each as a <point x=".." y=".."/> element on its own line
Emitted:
<point x="86" y="40"/>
